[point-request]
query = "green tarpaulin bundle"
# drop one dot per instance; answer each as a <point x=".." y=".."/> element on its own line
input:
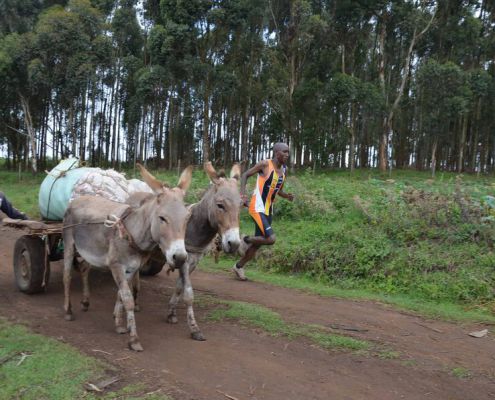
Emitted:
<point x="56" y="189"/>
<point x="69" y="180"/>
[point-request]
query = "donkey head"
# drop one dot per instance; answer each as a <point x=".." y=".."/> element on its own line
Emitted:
<point x="169" y="216"/>
<point x="224" y="203"/>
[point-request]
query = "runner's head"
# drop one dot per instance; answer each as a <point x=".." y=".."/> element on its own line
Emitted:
<point x="281" y="153"/>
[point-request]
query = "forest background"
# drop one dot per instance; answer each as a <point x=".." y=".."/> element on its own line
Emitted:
<point x="351" y="83"/>
<point x="366" y="84"/>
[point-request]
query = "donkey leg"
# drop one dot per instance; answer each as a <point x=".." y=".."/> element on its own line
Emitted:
<point x="69" y="253"/>
<point x="136" y="287"/>
<point x="188" y="297"/>
<point x="172" y="304"/>
<point x="119" y="316"/>
<point x="179" y="285"/>
<point x="84" y="268"/>
<point x="127" y="300"/>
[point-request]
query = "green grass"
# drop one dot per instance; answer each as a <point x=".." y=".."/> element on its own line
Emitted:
<point x="388" y="354"/>
<point x="409" y="363"/>
<point x="22" y="191"/>
<point x="460" y="372"/>
<point x="135" y="391"/>
<point x="271" y="322"/>
<point x="448" y="311"/>
<point x="52" y="370"/>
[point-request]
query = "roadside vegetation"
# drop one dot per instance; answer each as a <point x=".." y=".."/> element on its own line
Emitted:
<point x="423" y="244"/>
<point x="410" y="235"/>
<point x="273" y="324"/>
<point x="36" y="367"/>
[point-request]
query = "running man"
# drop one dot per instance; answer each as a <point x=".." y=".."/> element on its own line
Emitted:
<point x="270" y="181"/>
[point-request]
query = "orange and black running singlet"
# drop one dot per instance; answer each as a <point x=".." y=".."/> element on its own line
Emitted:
<point x="266" y="189"/>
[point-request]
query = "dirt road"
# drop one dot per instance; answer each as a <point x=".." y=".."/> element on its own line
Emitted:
<point x="245" y="363"/>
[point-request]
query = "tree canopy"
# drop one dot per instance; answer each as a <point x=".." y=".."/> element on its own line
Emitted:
<point x="348" y="84"/>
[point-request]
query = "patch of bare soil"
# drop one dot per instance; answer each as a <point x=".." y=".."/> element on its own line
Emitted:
<point x="244" y="363"/>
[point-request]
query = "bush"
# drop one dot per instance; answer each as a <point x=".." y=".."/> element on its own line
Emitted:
<point x="432" y="239"/>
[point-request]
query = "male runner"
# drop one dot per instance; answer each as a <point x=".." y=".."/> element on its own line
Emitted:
<point x="269" y="183"/>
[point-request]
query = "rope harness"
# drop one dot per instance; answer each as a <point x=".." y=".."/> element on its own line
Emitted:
<point x="116" y="222"/>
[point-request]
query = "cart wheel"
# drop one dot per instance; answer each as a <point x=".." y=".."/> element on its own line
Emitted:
<point x="29" y="264"/>
<point x="152" y="268"/>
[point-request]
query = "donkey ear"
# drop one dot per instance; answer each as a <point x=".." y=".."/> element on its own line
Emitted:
<point x="152" y="182"/>
<point x="210" y="171"/>
<point x="235" y="172"/>
<point x="185" y="178"/>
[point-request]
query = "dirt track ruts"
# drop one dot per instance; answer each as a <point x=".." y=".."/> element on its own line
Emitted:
<point x="248" y="364"/>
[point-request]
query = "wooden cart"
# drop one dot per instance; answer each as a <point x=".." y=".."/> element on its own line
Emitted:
<point x="33" y="252"/>
<point x="43" y="243"/>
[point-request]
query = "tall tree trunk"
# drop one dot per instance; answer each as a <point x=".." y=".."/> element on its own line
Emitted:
<point x="72" y="128"/>
<point x="31" y="133"/>
<point x="103" y="114"/>
<point x="92" y="125"/>
<point x="143" y="135"/>
<point x="169" y="130"/>
<point x="460" y="159"/>
<point x="245" y="133"/>
<point x="206" y="123"/>
<point x="387" y="123"/>
<point x="474" y="153"/>
<point x="352" y="130"/>
<point x="434" y="156"/>
<point x="484" y="155"/>
<point x="382" y="147"/>
<point x="84" y="117"/>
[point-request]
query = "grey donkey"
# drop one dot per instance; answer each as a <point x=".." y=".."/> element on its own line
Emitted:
<point x="216" y="213"/>
<point x="121" y="238"/>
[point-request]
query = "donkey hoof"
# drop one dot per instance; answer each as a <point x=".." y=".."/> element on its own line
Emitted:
<point x="121" y="330"/>
<point x="172" y="319"/>
<point x="69" y="317"/>
<point x="135" y="345"/>
<point x="137" y="308"/>
<point x="84" y="305"/>
<point x="198" y="336"/>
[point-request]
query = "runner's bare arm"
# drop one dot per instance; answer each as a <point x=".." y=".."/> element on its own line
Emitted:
<point x="259" y="167"/>
<point x="288" y="196"/>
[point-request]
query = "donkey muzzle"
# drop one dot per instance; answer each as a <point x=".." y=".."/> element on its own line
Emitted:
<point x="179" y="258"/>
<point x="176" y="254"/>
<point x="231" y="240"/>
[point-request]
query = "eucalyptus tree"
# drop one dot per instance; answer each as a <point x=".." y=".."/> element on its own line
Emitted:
<point x="445" y="95"/>
<point x="203" y="32"/>
<point x="127" y="42"/>
<point x="172" y="46"/>
<point x="15" y="54"/>
<point x="416" y="18"/>
<point x="18" y="16"/>
<point x="294" y="27"/>
<point x="244" y="22"/>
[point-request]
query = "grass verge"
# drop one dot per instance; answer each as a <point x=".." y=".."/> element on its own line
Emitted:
<point x="273" y="324"/>
<point x="35" y="367"/>
<point x="446" y="311"/>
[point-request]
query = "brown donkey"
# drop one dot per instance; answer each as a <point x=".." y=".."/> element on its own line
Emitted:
<point x="216" y="213"/>
<point x="112" y="235"/>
